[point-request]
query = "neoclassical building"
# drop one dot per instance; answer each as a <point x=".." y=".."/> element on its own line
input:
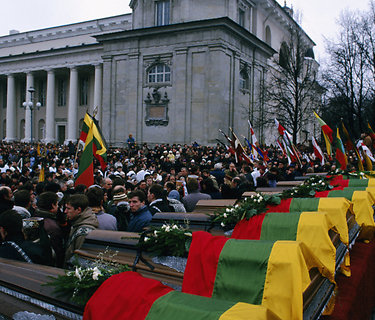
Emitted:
<point x="172" y="71"/>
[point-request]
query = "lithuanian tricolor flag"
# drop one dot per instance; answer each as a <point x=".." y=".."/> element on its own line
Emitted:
<point x="99" y="144"/>
<point x="273" y="274"/>
<point x="336" y="209"/>
<point x="327" y="134"/>
<point x="86" y="166"/>
<point x="128" y="295"/>
<point x="340" y="152"/>
<point x="311" y="228"/>
<point x="224" y="279"/>
<point x="362" y="201"/>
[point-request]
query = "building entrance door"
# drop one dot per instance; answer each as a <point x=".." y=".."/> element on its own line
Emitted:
<point x="60" y="134"/>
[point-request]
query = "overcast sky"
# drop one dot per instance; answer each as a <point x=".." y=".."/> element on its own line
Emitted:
<point x="318" y="16"/>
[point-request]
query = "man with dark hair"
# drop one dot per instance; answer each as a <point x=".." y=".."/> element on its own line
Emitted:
<point x="140" y="215"/>
<point x="190" y="200"/>
<point x="14" y="246"/>
<point x="6" y="195"/>
<point x="106" y="221"/>
<point x="22" y="203"/>
<point x="82" y="220"/>
<point x="47" y="208"/>
<point x="157" y="200"/>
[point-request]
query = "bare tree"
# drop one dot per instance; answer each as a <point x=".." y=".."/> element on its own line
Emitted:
<point x="350" y="73"/>
<point x="292" y="90"/>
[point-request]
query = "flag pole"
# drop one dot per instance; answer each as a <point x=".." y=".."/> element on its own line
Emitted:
<point x="76" y="155"/>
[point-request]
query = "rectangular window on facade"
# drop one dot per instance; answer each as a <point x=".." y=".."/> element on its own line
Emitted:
<point x="241" y="17"/>
<point x="42" y="91"/>
<point x="61" y="92"/>
<point x="83" y="91"/>
<point x="162" y="12"/>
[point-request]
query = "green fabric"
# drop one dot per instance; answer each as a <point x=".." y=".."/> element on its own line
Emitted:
<point x="354" y="189"/>
<point x="348" y="194"/>
<point x="358" y="183"/>
<point x="241" y="271"/>
<point x="280" y="226"/>
<point x="304" y="204"/>
<point x="182" y="306"/>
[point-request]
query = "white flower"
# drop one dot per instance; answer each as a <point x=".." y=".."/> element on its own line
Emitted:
<point x="222" y="224"/>
<point x="155" y="233"/>
<point x="232" y="210"/>
<point x="164" y="226"/>
<point x="188" y="234"/>
<point x="320" y="181"/>
<point x="146" y="239"/>
<point x="175" y="227"/>
<point x="167" y="229"/>
<point x="252" y="196"/>
<point x="237" y="205"/>
<point x="227" y="210"/>
<point x="77" y="273"/>
<point x="260" y="198"/>
<point x="225" y="215"/>
<point x="96" y="273"/>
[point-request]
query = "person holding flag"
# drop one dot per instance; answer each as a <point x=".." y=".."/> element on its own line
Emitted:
<point x="327" y="134"/>
<point x="95" y="146"/>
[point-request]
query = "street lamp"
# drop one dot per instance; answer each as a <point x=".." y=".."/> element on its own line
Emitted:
<point x="31" y="105"/>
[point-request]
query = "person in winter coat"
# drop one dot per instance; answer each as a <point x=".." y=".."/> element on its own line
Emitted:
<point x="82" y="220"/>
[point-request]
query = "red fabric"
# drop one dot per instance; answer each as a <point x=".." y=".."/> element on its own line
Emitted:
<point x="126" y="295"/>
<point x="356" y="295"/>
<point x="322" y="194"/>
<point x="86" y="177"/>
<point x="200" y="272"/>
<point x="282" y="207"/>
<point x="340" y="182"/>
<point x="249" y="229"/>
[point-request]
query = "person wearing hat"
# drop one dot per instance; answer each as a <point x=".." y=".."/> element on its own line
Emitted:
<point x="120" y="208"/>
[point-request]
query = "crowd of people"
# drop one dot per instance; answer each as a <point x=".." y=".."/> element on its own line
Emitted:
<point x="138" y="182"/>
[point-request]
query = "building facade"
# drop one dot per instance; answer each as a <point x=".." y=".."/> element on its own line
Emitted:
<point x="173" y="71"/>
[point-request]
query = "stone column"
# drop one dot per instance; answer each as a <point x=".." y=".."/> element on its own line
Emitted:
<point x="98" y="88"/>
<point x="50" y="108"/>
<point x="73" y="106"/>
<point x="11" y="110"/>
<point x="28" y="115"/>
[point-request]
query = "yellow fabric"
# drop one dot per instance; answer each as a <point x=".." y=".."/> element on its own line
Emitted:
<point x="371" y="182"/>
<point x="371" y="191"/>
<point x="345" y="266"/>
<point x="336" y="209"/>
<point x="313" y="230"/>
<point x="245" y="311"/>
<point x="364" y="213"/>
<point x="287" y="277"/>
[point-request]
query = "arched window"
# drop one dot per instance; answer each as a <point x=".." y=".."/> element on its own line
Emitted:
<point x="244" y="80"/>
<point x="159" y="73"/>
<point x="268" y="35"/>
<point x="284" y="55"/>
